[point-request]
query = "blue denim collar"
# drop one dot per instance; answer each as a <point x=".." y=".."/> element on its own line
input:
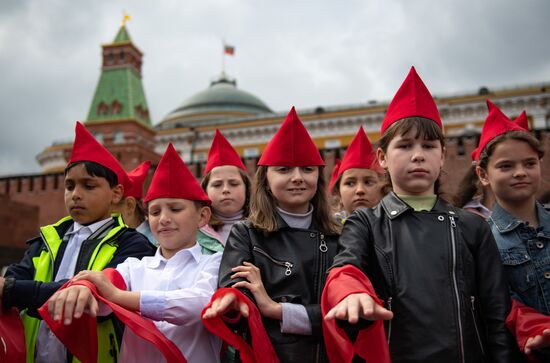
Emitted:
<point x="505" y="222"/>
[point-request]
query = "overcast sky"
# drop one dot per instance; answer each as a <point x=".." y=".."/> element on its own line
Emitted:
<point x="302" y="53"/>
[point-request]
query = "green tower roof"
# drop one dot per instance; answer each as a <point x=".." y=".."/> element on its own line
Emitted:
<point x="122" y="36"/>
<point x="119" y="94"/>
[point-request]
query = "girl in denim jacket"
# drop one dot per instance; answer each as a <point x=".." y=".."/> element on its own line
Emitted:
<point x="508" y="161"/>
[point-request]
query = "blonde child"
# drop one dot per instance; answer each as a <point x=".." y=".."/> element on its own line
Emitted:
<point x="278" y="258"/>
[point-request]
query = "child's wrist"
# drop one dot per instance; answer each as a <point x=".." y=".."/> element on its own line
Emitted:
<point x="274" y="311"/>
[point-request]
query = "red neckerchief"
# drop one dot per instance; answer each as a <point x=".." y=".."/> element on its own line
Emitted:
<point x="371" y="342"/>
<point x="12" y="337"/>
<point x="261" y="350"/>
<point x="80" y="337"/>
<point x="525" y="322"/>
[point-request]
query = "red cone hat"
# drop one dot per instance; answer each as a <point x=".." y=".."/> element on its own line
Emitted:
<point x="222" y="153"/>
<point x="411" y="100"/>
<point x="335" y="174"/>
<point x="495" y="124"/>
<point x="360" y="155"/>
<point x="291" y="146"/>
<point x="172" y="179"/>
<point x="137" y="177"/>
<point x="87" y="148"/>
<point x="522" y="121"/>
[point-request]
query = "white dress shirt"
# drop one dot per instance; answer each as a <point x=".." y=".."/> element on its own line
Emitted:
<point x="173" y="293"/>
<point x="48" y="348"/>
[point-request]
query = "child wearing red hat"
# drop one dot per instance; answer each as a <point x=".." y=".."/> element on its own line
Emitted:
<point x="170" y="288"/>
<point x="416" y="279"/>
<point x="228" y="187"/>
<point x="472" y="195"/>
<point x="279" y="256"/>
<point x="89" y="238"/>
<point x="508" y="162"/>
<point x="131" y="207"/>
<point x="358" y="180"/>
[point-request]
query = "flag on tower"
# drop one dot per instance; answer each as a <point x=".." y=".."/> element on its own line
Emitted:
<point x="228" y="49"/>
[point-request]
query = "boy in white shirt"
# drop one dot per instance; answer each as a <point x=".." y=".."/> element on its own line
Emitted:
<point x="170" y="288"/>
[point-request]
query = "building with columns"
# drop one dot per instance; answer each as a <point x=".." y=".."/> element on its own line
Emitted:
<point x="119" y="118"/>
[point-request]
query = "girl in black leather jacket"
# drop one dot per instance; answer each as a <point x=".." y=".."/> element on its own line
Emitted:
<point x="435" y="267"/>
<point x="280" y="256"/>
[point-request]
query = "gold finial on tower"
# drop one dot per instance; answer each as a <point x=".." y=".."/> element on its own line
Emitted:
<point x="125" y="18"/>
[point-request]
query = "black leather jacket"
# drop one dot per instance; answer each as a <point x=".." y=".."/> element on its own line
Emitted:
<point x="440" y="273"/>
<point x="293" y="264"/>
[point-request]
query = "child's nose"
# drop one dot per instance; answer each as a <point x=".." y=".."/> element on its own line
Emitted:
<point x="297" y="175"/>
<point x="520" y="172"/>
<point x="418" y="154"/>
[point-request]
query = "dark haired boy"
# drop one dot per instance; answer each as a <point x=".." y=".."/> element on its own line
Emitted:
<point x="90" y="238"/>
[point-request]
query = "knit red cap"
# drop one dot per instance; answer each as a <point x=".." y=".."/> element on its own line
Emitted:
<point x="172" y="179"/>
<point x="495" y="124"/>
<point x="291" y="146"/>
<point x="222" y="153"/>
<point x="360" y="155"/>
<point x="411" y="100"/>
<point x="87" y="148"/>
<point x="137" y="177"/>
<point x="522" y="121"/>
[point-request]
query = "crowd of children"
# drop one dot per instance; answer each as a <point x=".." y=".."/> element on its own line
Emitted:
<point x="263" y="269"/>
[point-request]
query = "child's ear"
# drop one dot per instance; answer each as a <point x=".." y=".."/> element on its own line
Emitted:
<point x="483" y="177"/>
<point x="204" y="218"/>
<point x="443" y="155"/>
<point x="381" y="158"/>
<point x="118" y="193"/>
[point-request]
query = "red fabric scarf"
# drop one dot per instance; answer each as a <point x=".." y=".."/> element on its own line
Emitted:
<point x="525" y="322"/>
<point x="261" y="350"/>
<point x="371" y="342"/>
<point x="80" y="337"/>
<point x="12" y="337"/>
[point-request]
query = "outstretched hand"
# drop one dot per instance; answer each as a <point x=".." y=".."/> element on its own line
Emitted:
<point x="72" y="302"/>
<point x="538" y="342"/>
<point x="355" y="306"/>
<point x="224" y="305"/>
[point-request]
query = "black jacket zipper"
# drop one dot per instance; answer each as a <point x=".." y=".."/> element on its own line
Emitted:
<point x="286" y="264"/>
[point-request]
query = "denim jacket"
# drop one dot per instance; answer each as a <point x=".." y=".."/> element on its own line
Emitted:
<point x="525" y="253"/>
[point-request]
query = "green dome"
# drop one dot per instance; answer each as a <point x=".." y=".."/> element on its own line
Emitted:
<point x="222" y="100"/>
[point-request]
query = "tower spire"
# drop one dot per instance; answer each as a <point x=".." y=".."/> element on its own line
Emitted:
<point x="119" y="94"/>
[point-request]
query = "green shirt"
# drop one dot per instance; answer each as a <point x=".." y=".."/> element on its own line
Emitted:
<point x="419" y="203"/>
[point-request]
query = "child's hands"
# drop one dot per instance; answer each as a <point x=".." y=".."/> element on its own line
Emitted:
<point x="224" y="305"/>
<point x="104" y="286"/>
<point x="251" y="273"/>
<point x="538" y="342"/>
<point x="72" y="302"/>
<point x="355" y="306"/>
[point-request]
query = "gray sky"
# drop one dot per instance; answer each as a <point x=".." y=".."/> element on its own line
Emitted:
<point x="302" y="52"/>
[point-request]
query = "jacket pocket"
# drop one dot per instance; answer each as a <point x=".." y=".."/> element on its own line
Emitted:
<point x="284" y="264"/>
<point x="519" y="267"/>
<point x="475" y="321"/>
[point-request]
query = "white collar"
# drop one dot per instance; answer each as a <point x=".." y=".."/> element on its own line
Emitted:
<point x="158" y="259"/>
<point x="77" y="227"/>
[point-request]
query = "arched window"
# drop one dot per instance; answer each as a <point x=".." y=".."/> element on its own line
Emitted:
<point x="102" y="109"/>
<point x="116" y="108"/>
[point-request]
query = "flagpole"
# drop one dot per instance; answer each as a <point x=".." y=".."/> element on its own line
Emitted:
<point x="223" y="57"/>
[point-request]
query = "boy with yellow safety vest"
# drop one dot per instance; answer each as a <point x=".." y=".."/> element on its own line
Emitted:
<point x="90" y="238"/>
